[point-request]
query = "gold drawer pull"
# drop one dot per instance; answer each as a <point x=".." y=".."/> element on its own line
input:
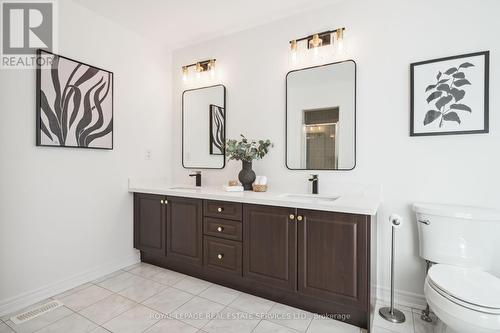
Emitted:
<point x="220" y="256"/>
<point x="161" y="201"/>
<point x="220" y="209"/>
<point x="219" y="229"/>
<point x="299" y="218"/>
<point x="292" y="217"/>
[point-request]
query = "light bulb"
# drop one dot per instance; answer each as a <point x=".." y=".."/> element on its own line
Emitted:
<point x="293" y="51"/>
<point x="340" y="39"/>
<point x="185" y="73"/>
<point x="211" y="67"/>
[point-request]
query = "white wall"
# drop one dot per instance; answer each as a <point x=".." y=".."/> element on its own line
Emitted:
<point x="383" y="37"/>
<point x="65" y="214"/>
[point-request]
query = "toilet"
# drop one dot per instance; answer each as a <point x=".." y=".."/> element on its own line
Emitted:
<point x="462" y="287"/>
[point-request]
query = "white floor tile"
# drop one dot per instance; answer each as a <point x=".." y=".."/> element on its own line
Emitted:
<point x="4" y="328"/>
<point x="168" y="300"/>
<point x="423" y="326"/>
<point x="142" y="290"/>
<point x="252" y="304"/>
<point x="72" y="291"/>
<point x="107" y="309"/>
<point x="197" y="312"/>
<point x="107" y="276"/>
<point x="171" y="325"/>
<point x="42" y="321"/>
<point x="220" y="294"/>
<point x="74" y="324"/>
<point x="83" y="298"/>
<point x="377" y="329"/>
<point x="406" y="327"/>
<point x="270" y="327"/>
<point x="6" y="317"/>
<point x="100" y="329"/>
<point x="192" y="285"/>
<point x="326" y="325"/>
<point x="290" y="317"/>
<point x="135" y="320"/>
<point x="167" y="277"/>
<point x="146" y="270"/>
<point x="232" y="320"/>
<point x="120" y="282"/>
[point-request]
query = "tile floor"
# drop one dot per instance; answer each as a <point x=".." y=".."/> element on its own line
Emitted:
<point x="146" y="298"/>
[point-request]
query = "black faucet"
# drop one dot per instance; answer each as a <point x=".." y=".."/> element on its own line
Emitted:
<point x="197" y="174"/>
<point x="314" y="179"/>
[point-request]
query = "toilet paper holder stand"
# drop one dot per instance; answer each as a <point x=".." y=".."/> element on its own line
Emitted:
<point x="390" y="313"/>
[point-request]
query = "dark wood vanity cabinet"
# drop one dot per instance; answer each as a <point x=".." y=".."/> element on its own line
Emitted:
<point x="332" y="256"/>
<point x="184" y="230"/>
<point x="314" y="260"/>
<point x="269" y="245"/>
<point x="149" y="223"/>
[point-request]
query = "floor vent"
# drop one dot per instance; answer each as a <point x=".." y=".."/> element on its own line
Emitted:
<point x="36" y="312"/>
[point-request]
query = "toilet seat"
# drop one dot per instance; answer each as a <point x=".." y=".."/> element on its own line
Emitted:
<point x="466" y="300"/>
<point x="470" y="288"/>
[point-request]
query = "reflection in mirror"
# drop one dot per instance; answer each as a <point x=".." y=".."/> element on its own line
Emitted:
<point x="321" y="117"/>
<point x="204" y="127"/>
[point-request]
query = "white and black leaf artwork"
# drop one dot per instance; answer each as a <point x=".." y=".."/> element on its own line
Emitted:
<point x="217" y="130"/>
<point x="445" y="95"/>
<point x="450" y="95"/>
<point x="74" y="103"/>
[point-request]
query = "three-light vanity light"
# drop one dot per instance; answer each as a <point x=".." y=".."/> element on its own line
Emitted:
<point x="199" y="67"/>
<point x="314" y="42"/>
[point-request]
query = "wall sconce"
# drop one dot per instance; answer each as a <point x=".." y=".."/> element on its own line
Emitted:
<point x="316" y="41"/>
<point x="199" y="67"/>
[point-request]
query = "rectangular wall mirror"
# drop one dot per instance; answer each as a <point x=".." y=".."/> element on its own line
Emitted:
<point x="204" y="128"/>
<point x="321" y="117"/>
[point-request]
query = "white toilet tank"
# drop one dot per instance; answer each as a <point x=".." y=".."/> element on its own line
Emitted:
<point x="458" y="235"/>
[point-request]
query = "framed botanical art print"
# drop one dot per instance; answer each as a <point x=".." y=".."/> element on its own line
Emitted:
<point x="74" y="103"/>
<point x="450" y="95"/>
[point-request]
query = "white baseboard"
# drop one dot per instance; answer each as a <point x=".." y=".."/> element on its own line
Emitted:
<point x="25" y="299"/>
<point x="404" y="298"/>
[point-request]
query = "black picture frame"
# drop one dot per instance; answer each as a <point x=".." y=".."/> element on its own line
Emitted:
<point x="38" y="101"/>
<point x="355" y="115"/>
<point x="182" y="128"/>
<point x="413" y="66"/>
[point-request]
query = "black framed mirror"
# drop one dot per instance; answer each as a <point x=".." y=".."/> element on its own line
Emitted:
<point x="321" y="117"/>
<point x="204" y="127"/>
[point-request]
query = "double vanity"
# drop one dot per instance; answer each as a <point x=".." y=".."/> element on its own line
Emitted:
<point x="312" y="252"/>
<point x="315" y="252"/>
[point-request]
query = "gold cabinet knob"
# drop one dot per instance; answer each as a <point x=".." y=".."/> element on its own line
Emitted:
<point x="161" y="201"/>
<point x="220" y="256"/>
<point x="166" y="202"/>
<point x="219" y="229"/>
<point x="299" y="218"/>
<point x="219" y="209"/>
<point x="292" y="217"/>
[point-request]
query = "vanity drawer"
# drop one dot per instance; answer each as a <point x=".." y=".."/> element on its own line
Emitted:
<point x="222" y="209"/>
<point x="222" y="254"/>
<point x="222" y="228"/>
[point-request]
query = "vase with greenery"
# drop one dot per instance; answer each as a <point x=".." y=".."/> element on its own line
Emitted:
<point x="246" y="151"/>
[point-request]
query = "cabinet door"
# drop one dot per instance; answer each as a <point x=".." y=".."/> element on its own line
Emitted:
<point x="332" y="256"/>
<point x="269" y="245"/>
<point x="184" y="230"/>
<point x="149" y="223"/>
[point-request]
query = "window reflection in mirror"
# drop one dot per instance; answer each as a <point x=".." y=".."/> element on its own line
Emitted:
<point x="320" y="117"/>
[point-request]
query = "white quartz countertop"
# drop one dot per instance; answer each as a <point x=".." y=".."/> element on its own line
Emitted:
<point x="354" y="203"/>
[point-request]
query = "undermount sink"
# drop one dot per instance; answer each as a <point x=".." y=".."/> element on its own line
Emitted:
<point x="186" y="188"/>
<point x="314" y="198"/>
